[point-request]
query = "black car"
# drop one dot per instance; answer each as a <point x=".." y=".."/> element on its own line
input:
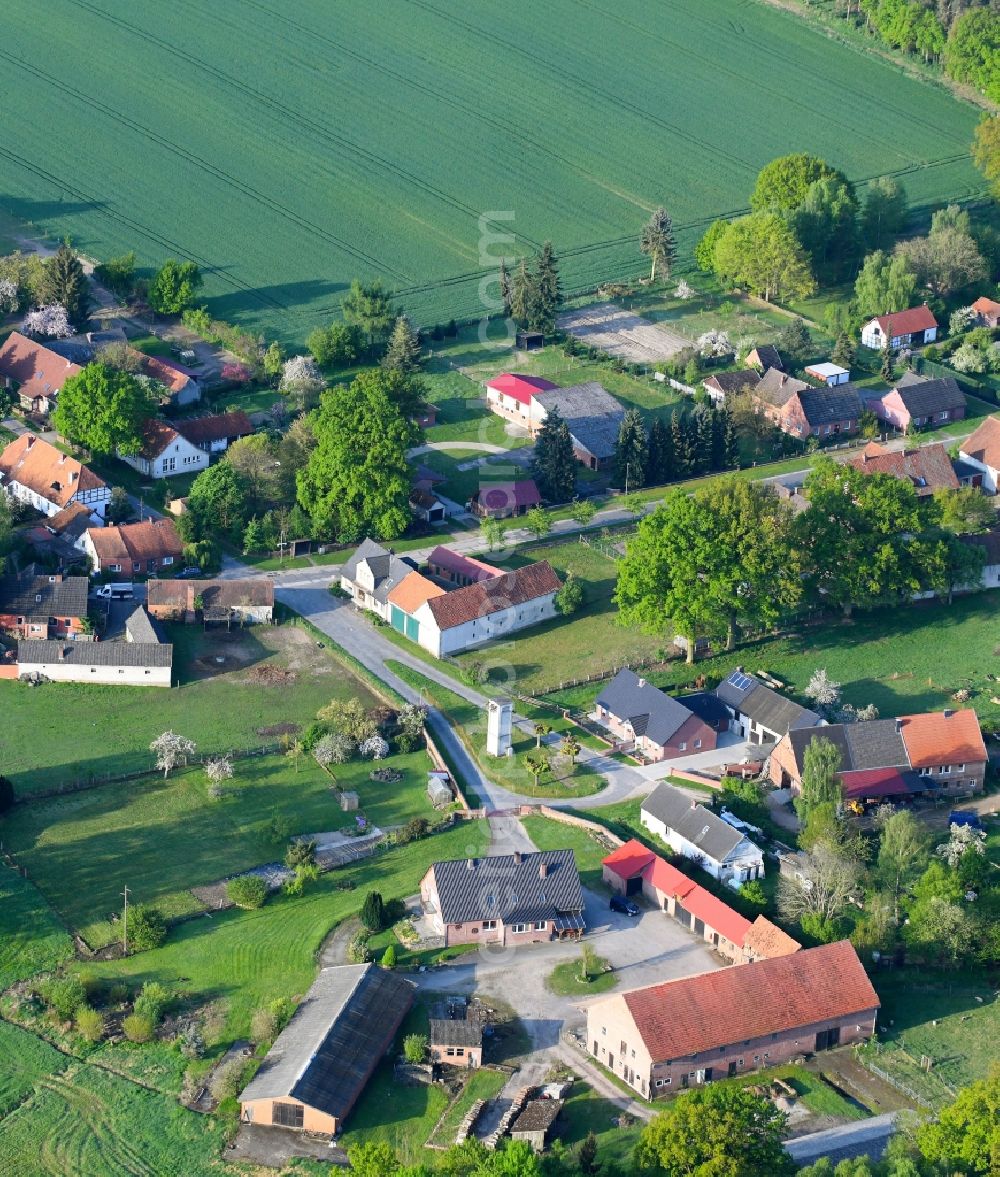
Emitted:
<point x="188" y="574"/>
<point x="623" y="905"/>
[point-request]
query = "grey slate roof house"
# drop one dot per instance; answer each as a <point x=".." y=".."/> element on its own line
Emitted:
<point x="653" y="723"/>
<point x="777" y="388"/>
<point x="371" y="573"/>
<point x="507" y="899"/>
<point x="720" y="386"/>
<point x="916" y="400"/>
<point x="701" y="835"/>
<point x="825" y="406"/>
<point x="321" y="1061"/>
<point x="36" y="606"/>
<point x="758" y="713"/>
<point x="593" y="417"/>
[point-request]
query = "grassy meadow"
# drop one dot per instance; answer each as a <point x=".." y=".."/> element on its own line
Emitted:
<point x="288" y="161"/>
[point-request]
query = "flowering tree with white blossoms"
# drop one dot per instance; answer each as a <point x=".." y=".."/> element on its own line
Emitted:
<point x="962" y="838"/>
<point x="822" y="689"/>
<point x="375" y="747"/>
<point x="171" y="750"/>
<point x="684" y="290"/>
<point x="218" y="770"/>
<point x="51" y="321"/>
<point x="301" y="379"/>
<point x="335" y="748"/>
<point x="8" y="296"/>
<point x="714" y="343"/>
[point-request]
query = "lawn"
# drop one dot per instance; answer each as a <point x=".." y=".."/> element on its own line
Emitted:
<point x="588" y="642"/>
<point x="31" y="938"/>
<point x="246" y="959"/>
<point x="904" y="659"/>
<point x="470" y="724"/>
<point x="297" y="181"/>
<point x="564" y="980"/>
<point x="585" y="1111"/>
<point x="953" y="1020"/>
<point x="24" y="1059"/>
<point x="82" y="1121"/>
<point x="162" y="837"/>
<point x="548" y="834"/>
<point x="65" y="732"/>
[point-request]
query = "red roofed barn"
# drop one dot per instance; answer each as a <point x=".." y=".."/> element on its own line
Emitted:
<point x="910" y="328"/>
<point x="36" y="373"/>
<point x="688" y="1032"/>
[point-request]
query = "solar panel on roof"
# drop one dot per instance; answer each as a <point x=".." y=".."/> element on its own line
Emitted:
<point x="739" y="680"/>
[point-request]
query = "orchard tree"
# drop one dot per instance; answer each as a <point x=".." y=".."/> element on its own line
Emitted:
<point x="658" y="244"/>
<point x="104" y="410"/>
<point x="762" y="253"/>
<point x="717" y="1130"/>
<point x="554" y="468"/>
<point x="301" y="381"/>
<point x="219" y="770"/>
<point x="66" y="284"/>
<point x="173" y="287"/>
<point x="50" y="321"/>
<point x="171" y="750"/>
<point x="537" y="521"/>
<point x="356" y="480"/>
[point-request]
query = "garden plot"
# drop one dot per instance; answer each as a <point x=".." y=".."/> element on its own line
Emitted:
<point x="622" y="333"/>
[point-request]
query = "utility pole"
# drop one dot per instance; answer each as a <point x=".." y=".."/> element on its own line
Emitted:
<point x="627" y="464"/>
<point x="125" y="924"/>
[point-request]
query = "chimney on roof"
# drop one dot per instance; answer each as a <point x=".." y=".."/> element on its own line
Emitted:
<point x="642" y="682"/>
<point x="74" y="475"/>
<point x="543" y="870"/>
<point x="62" y="653"/>
<point x="62" y="459"/>
<point x="30" y="441"/>
<point x="948" y="713"/>
<point x="470" y="864"/>
<point x="517" y="857"/>
<point x="899" y="725"/>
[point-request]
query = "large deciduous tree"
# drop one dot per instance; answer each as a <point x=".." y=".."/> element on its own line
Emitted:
<point x="819" y="891"/>
<point x="826" y="223"/>
<point x="944" y="261"/>
<point x="554" y="466"/>
<point x="356" y="480"/>
<point x="884" y="214"/>
<point x="782" y="185"/>
<point x="820" y="779"/>
<point x="218" y="501"/>
<point x="762" y="253"/>
<point x="709" y="564"/>
<point x="103" y="409"/>
<point x="717" y="1131"/>
<point x="65" y="283"/>
<point x="255" y="459"/>
<point x="173" y="287"/>
<point x="885" y="284"/>
<point x="658" y="244"/>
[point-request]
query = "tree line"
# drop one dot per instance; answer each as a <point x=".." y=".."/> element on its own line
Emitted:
<point x="733" y="557"/>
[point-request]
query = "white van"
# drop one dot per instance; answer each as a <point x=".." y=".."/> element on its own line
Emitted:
<point x="115" y="591"/>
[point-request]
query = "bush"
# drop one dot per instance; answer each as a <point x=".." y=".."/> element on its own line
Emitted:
<point x="152" y="1001"/>
<point x="138" y="1027"/>
<point x="415" y="829"/>
<point x="358" y="951"/>
<point x="6" y="794"/>
<point x="227" y="1080"/>
<point x="753" y="892"/>
<point x="248" y="892"/>
<point x="89" y="1023"/>
<point x="118" y="993"/>
<point x="414" y="1048"/>
<point x="389" y="957"/>
<point x="373" y="912"/>
<point x="569" y="598"/>
<point x="263" y="1025"/>
<point x="64" y="995"/>
<point x="146" y="929"/>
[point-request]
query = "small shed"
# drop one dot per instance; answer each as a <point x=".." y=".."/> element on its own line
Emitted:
<point x="830" y="374"/>
<point x="348" y="801"/>
<point x="535" y="1122"/>
<point x="530" y="340"/>
<point x="456" y="1042"/>
<point x="439" y="789"/>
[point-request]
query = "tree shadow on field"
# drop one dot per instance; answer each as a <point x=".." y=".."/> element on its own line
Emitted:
<point x="291" y="295"/>
<point x="31" y="212"/>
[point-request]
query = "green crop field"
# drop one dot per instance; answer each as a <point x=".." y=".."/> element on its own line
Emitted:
<point x="289" y="148"/>
<point x="31" y="938"/>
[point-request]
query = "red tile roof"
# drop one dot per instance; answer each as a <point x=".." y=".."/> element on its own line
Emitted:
<point x="986" y="306"/>
<point x="906" y="322"/>
<point x="768" y="940"/>
<point x="717" y="915"/>
<point x="494" y="595"/>
<point x="412" y="591"/>
<point x="222" y="426"/>
<point x="521" y="388"/>
<point x="164" y="373"/>
<point x="878" y="782"/>
<point x="629" y="860"/>
<point x="38" y="371"/>
<point x="929" y="468"/>
<point x="943" y="737"/>
<point x="459" y="565"/>
<point x="150" y="540"/>
<point x="156" y="436"/>
<point x="984" y="444"/>
<point x="679" y="1018"/>
<point x="668" y="880"/>
<point x="45" y="470"/>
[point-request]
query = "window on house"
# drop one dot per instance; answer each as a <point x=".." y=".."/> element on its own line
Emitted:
<point x="460" y="1052"/>
<point x="450" y="1052"/>
<point x="604" y="1031"/>
<point x="168" y="560"/>
<point x="519" y="927"/>
<point x="633" y="1054"/>
<point x="682" y="746"/>
<point x="697" y="743"/>
<point x="541" y="925"/>
<point x="622" y="1048"/>
<point x="136" y="566"/>
<point x="661" y="1082"/>
<point x="959" y="768"/>
<point x="489" y="925"/>
<point x="114" y="568"/>
<point x="766" y="1055"/>
<point x="756" y="1058"/>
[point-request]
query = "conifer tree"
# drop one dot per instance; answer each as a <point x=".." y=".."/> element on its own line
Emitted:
<point x="631" y="451"/>
<point x="65" y="283"/>
<point x="732" y="443"/>
<point x="702" y="439"/>
<point x="657" y="243"/>
<point x="555" y="464"/>
<point x="660" y="455"/>
<point x="525" y="299"/>
<point x="505" y="286"/>
<point x="403" y="352"/>
<point x="549" y="290"/>
<point x="718" y="439"/>
<point x="680" y="443"/>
